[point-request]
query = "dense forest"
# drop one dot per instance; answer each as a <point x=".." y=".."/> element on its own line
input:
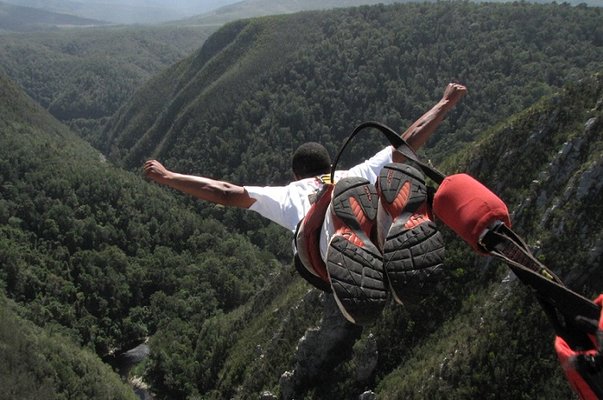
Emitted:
<point x="83" y="76"/>
<point x="94" y="259"/>
<point x="98" y="254"/>
<point x="46" y="364"/>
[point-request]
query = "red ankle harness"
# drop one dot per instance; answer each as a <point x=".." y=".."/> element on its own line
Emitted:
<point x="308" y="260"/>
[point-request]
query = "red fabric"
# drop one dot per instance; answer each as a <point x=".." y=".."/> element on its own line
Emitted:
<point x="567" y="357"/>
<point x="468" y="207"/>
<point x="311" y="232"/>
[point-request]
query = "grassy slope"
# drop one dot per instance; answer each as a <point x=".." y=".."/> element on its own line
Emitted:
<point x="209" y="82"/>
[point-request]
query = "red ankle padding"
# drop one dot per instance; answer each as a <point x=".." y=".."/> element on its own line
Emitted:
<point x="468" y="208"/>
<point x="308" y="236"/>
<point x="567" y="359"/>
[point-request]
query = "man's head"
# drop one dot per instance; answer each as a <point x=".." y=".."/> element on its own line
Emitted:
<point x="310" y="159"/>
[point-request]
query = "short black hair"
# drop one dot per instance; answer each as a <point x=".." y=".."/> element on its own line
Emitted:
<point x="311" y="159"/>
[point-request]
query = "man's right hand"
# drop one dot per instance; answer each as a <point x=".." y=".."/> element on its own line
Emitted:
<point x="453" y="94"/>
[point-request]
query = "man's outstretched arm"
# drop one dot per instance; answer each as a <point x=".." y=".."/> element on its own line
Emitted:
<point x="219" y="192"/>
<point x="417" y="134"/>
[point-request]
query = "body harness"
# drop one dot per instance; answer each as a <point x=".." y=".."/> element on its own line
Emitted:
<point x="482" y="220"/>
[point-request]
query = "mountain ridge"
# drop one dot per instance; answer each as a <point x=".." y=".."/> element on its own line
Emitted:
<point x="26" y="19"/>
<point x="119" y="12"/>
<point x="333" y="69"/>
<point x="259" y="8"/>
<point x="82" y="77"/>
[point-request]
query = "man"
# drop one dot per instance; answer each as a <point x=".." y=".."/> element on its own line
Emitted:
<point x="366" y="229"/>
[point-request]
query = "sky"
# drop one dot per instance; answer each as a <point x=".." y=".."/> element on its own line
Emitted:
<point x="156" y="11"/>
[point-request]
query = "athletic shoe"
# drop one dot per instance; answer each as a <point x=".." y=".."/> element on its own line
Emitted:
<point x="354" y="263"/>
<point x="413" y="248"/>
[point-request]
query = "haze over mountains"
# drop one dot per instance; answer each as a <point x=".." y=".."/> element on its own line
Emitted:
<point x="125" y="11"/>
<point x="206" y="11"/>
<point x="26" y="19"/>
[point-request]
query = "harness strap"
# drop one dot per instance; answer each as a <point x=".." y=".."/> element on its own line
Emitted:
<point x="307" y="241"/>
<point x="398" y="142"/>
<point x="482" y="220"/>
<point x="561" y="305"/>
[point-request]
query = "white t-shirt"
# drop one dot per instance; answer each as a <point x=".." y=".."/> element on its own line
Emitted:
<point x="287" y="205"/>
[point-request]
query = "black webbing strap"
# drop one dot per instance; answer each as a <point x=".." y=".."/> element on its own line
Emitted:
<point x="561" y="305"/>
<point x="502" y="242"/>
<point x="400" y="144"/>
<point x="592" y="372"/>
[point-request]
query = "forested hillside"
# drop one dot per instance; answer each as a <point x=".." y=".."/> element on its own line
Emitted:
<point x="260" y="8"/>
<point x="82" y="76"/>
<point x="40" y="364"/>
<point x="26" y="19"/>
<point x="97" y="253"/>
<point x="258" y="88"/>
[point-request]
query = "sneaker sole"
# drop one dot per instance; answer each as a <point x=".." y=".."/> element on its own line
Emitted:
<point x="354" y="263"/>
<point x="412" y="261"/>
<point x="414" y="248"/>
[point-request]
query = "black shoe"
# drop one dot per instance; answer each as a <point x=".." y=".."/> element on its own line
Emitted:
<point x="413" y="248"/>
<point x="354" y="263"/>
